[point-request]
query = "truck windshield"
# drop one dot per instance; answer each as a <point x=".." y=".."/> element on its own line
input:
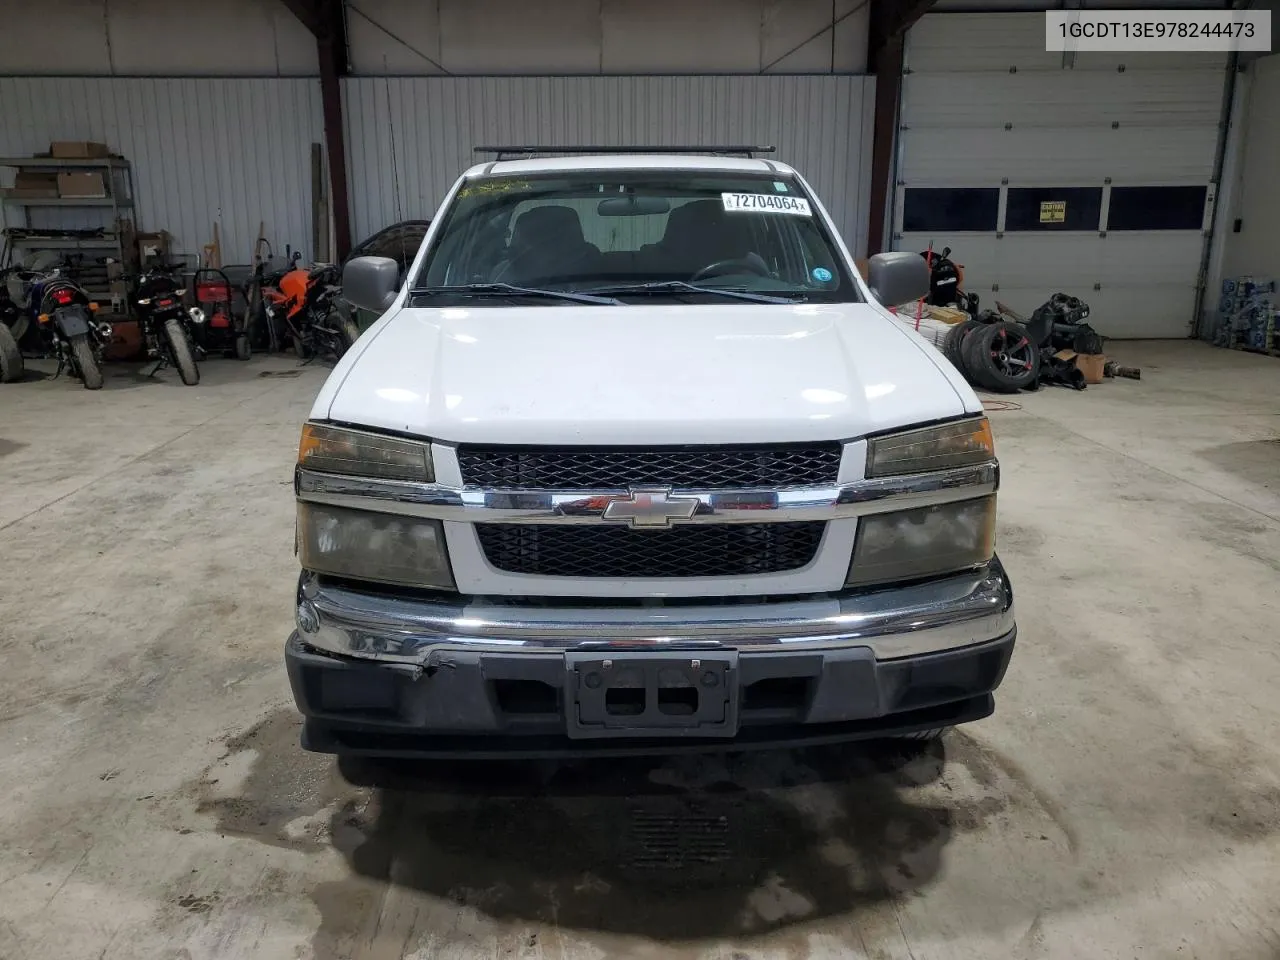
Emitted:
<point x="638" y="234"/>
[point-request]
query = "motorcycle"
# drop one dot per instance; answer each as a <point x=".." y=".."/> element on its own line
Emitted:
<point x="167" y="325"/>
<point x="303" y="301"/>
<point x="66" y="327"/>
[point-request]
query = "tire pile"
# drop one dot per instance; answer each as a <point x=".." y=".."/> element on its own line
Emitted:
<point x="994" y="353"/>
<point x="1004" y="353"/>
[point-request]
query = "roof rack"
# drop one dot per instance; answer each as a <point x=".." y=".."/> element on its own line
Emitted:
<point x="528" y="151"/>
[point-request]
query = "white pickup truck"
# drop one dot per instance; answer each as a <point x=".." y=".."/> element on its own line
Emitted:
<point x="635" y="461"/>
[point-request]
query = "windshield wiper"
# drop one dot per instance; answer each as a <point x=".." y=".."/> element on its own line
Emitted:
<point x="509" y="289"/>
<point x="677" y="286"/>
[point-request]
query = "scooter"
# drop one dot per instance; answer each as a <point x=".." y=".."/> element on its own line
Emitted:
<point x="167" y="325"/>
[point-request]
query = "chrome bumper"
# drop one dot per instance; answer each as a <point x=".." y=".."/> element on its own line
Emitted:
<point x="958" y="611"/>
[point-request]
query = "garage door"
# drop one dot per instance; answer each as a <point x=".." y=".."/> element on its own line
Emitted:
<point x="1083" y="173"/>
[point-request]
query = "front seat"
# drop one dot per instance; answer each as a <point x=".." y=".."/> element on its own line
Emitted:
<point x="698" y="234"/>
<point x="547" y="244"/>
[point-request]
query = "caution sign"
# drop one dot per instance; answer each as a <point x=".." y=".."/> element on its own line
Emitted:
<point x="1053" y="211"/>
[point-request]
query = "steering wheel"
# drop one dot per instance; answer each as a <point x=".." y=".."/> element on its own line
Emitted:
<point x="752" y="263"/>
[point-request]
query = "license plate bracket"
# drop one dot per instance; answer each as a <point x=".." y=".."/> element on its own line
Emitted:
<point x="71" y="321"/>
<point x="641" y="694"/>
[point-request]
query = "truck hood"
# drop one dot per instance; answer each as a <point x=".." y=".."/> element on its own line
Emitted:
<point x="645" y="374"/>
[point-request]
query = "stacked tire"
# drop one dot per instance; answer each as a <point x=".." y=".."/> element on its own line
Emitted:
<point x="994" y="353"/>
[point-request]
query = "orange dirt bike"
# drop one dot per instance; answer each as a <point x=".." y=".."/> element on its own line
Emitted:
<point x="302" y="303"/>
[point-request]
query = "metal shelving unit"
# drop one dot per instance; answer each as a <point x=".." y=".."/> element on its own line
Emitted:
<point x="117" y="236"/>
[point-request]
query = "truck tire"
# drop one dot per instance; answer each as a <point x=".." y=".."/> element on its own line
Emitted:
<point x="183" y="358"/>
<point x="954" y="339"/>
<point x="90" y="372"/>
<point x="11" y="367"/>
<point x="1001" y="357"/>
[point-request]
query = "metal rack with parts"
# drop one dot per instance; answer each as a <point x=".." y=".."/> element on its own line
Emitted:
<point x="94" y="245"/>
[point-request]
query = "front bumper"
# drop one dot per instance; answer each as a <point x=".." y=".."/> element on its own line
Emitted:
<point x="399" y="676"/>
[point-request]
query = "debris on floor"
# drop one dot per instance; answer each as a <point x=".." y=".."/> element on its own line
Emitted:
<point x="1003" y="351"/>
<point x="1113" y="369"/>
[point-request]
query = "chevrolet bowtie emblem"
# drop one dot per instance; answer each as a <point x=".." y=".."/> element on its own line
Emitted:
<point x="653" y="507"/>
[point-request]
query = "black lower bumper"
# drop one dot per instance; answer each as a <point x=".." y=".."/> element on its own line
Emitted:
<point x="499" y="705"/>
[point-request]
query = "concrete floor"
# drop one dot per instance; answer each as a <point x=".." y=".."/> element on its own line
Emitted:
<point x="1123" y="802"/>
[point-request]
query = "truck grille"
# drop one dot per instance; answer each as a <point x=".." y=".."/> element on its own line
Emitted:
<point x="710" y="550"/>
<point x="617" y="468"/>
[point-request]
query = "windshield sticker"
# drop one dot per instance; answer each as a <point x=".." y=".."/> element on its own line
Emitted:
<point x="766" y="203"/>
<point x="822" y="274"/>
<point x="779" y="186"/>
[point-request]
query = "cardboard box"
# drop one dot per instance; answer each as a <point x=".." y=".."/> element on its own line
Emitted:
<point x="78" y="150"/>
<point x="1092" y="365"/>
<point x="34" y="180"/>
<point x="81" y="185"/>
<point x="30" y="185"/>
<point x="14" y="193"/>
<point x="946" y="314"/>
<point x="153" y="245"/>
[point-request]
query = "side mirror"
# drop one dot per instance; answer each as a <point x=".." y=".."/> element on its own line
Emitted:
<point x="896" y="278"/>
<point x="371" y="283"/>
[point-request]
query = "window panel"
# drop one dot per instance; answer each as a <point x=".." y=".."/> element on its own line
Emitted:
<point x="950" y="209"/>
<point x="1156" y="208"/>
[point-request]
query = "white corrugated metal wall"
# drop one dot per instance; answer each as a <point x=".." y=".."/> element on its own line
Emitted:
<point x="820" y="124"/>
<point x="233" y="151"/>
<point x="1011" y="119"/>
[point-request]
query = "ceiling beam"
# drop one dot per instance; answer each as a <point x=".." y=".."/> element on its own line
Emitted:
<point x="307" y="12"/>
<point x="889" y="21"/>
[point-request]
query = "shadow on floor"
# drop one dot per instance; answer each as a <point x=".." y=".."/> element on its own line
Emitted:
<point x="671" y="850"/>
<point x="1256" y="461"/>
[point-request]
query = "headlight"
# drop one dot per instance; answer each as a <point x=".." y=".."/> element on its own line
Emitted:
<point x="958" y="444"/>
<point x="359" y="454"/>
<point x="406" y="551"/>
<point x="924" y="542"/>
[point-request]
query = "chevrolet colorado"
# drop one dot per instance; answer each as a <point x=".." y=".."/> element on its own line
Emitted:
<point x="634" y="460"/>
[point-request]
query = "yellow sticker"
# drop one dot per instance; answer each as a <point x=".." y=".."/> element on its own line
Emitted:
<point x="488" y="186"/>
<point x="1053" y="211"/>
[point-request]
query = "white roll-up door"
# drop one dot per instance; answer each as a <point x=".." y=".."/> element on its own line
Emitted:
<point x="1088" y="174"/>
